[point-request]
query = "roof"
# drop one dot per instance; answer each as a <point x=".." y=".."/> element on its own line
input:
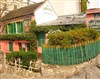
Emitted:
<point x="21" y="11"/>
<point x="67" y="20"/>
<point x="94" y="10"/>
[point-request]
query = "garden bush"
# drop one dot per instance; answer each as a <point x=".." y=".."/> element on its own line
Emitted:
<point x="24" y="56"/>
<point x="72" y="37"/>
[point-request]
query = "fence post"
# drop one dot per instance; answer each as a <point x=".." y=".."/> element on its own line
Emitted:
<point x="15" y="63"/>
<point x="19" y="62"/>
<point x="82" y="55"/>
<point x="68" y="53"/>
<point x="30" y="67"/>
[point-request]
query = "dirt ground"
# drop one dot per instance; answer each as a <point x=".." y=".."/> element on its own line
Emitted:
<point x="86" y="70"/>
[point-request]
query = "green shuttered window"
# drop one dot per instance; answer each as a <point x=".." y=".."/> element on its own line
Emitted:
<point x="10" y="28"/>
<point x="14" y="28"/>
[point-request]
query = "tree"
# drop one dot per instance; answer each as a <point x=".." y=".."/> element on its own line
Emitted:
<point x="28" y="2"/>
<point x="4" y="5"/>
<point x="3" y="9"/>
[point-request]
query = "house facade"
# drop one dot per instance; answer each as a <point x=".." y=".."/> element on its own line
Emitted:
<point x="17" y="22"/>
<point x="93" y="15"/>
<point x="93" y="18"/>
<point x="68" y="7"/>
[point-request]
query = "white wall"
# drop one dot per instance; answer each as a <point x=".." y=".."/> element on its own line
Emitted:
<point x="93" y="4"/>
<point x="45" y="14"/>
<point x="36" y="0"/>
<point x="66" y="7"/>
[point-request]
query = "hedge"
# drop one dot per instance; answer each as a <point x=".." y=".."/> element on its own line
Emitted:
<point x="72" y="37"/>
<point x="24" y="56"/>
<point x="23" y="36"/>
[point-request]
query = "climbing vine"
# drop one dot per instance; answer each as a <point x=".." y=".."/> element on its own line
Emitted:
<point x="84" y="6"/>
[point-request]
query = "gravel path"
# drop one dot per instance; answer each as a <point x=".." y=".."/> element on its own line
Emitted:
<point x="9" y="76"/>
<point x="87" y="73"/>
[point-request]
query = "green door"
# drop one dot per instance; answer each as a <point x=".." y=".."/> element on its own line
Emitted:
<point x="10" y="46"/>
<point x="41" y="38"/>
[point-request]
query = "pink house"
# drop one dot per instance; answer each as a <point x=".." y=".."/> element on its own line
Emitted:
<point x="18" y="21"/>
<point x="8" y="46"/>
<point x="93" y="18"/>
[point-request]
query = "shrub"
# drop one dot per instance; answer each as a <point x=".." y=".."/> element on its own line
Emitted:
<point x="72" y="37"/>
<point x="99" y="33"/>
<point x="24" y="56"/>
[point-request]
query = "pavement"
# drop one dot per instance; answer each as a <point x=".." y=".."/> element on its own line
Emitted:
<point x="10" y="76"/>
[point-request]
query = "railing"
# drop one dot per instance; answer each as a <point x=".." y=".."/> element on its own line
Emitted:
<point x="72" y="55"/>
<point x="33" y="66"/>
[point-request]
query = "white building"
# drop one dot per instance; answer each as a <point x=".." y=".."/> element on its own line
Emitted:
<point x="45" y="13"/>
<point x="93" y="4"/>
<point x="65" y="7"/>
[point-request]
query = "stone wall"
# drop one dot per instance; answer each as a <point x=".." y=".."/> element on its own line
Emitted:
<point x="86" y="70"/>
<point x="18" y="71"/>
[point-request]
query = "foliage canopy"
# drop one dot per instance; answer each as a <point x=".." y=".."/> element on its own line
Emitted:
<point x="72" y="37"/>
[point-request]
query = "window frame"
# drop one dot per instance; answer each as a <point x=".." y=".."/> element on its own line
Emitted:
<point x="19" y="25"/>
<point x="96" y="15"/>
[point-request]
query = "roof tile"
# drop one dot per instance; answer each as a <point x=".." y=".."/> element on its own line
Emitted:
<point x="21" y="11"/>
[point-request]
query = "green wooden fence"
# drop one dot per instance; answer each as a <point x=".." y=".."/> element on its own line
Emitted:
<point x="72" y="55"/>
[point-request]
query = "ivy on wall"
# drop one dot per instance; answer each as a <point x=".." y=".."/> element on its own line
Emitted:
<point x="84" y="6"/>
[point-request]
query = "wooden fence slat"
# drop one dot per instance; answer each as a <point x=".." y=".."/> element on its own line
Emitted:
<point x="72" y="55"/>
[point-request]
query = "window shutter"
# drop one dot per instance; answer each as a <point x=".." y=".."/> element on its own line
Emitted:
<point x="18" y="27"/>
<point x="21" y="27"/>
<point x="10" y="46"/>
<point x="11" y="26"/>
<point x="14" y="27"/>
<point x="7" y="29"/>
<point x="10" y="30"/>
